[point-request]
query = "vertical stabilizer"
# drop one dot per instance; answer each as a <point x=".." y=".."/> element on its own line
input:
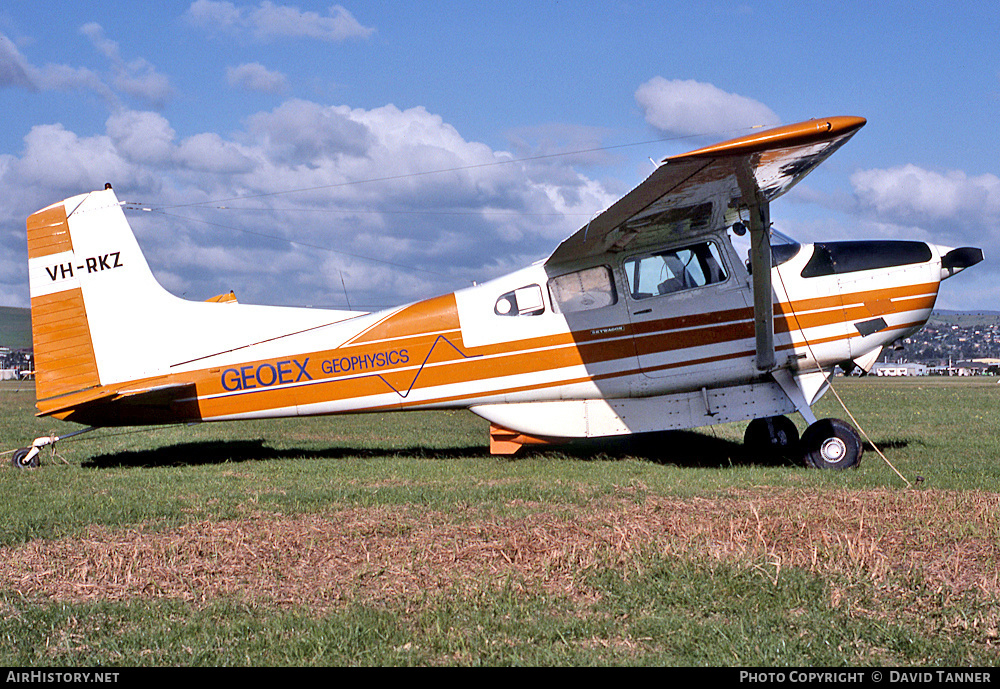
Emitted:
<point x="101" y="322"/>
<point x="84" y="268"/>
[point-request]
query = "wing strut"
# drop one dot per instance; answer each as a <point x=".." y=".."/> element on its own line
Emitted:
<point x="760" y="266"/>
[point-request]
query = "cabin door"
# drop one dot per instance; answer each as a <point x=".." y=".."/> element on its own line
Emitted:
<point x="691" y="313"/>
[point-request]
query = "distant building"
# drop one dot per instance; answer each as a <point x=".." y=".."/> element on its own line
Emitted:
<point x="907" y="369"/>
<point x="966" y="368"/>
<point x="976" y="367"/>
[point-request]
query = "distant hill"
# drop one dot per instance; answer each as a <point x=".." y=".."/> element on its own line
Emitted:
<point x="953" y="336"/>
<point x="15" y="327"/>
<point x="964" y="319"/>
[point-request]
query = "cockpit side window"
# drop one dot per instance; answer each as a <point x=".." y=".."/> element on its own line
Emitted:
<point x="675" y="270"/>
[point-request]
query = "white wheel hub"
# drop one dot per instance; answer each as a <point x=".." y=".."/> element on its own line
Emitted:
<point x="833" y="450"/>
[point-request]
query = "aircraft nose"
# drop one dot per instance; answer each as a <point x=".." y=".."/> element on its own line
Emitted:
<point x="956" y="260"/>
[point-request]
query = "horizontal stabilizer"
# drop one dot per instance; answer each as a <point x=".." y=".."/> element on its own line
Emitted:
<point x="109" y="407"/>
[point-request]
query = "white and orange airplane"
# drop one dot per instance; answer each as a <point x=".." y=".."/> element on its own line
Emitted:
<point x="644" y="320"/>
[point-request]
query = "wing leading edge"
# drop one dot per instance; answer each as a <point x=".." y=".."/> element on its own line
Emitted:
<point x="695" y="193"/>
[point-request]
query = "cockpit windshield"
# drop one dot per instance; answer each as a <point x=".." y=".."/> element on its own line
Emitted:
<point x="783" y="247"/>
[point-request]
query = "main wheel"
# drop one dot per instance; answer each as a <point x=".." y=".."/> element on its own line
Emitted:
<point x="831" y="444"/>
<point x="25" y="459"/>
<point x="773" y="434"/>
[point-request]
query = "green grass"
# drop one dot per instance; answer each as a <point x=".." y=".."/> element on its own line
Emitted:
<point x="942" y="429"/>
<point x="643" y="604"/>
<point x="675" y="614"/>
<point x="15" y="327"/>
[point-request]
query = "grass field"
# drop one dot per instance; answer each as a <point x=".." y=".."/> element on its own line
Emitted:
<point x="397" y="540"/>
<point x="15" y="327"/>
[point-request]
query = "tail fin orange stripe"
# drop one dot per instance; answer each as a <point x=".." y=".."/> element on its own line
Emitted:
<point x="64" y="351"/>
<point x="48" y="232"/>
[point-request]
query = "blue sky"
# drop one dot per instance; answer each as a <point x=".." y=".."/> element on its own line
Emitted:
<point x="182" y="103"/>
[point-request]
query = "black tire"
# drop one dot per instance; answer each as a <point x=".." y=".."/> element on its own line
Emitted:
<point x="772" y="435"/>
<point x="20" y="459"/>
<point x="831" y="444"/>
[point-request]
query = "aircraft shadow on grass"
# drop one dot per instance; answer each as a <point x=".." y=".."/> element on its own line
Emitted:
<point x="678" y="448"/>
<point x="233" y="451"/>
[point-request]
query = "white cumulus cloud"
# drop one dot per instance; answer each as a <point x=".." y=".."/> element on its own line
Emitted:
<point x="137" y="78"/>
<point x="686" y="107"/>
<point x="268" y="21"/>
<point x="254" y="76"/>
<point x="57" y="161"/>
<point x="142" y="137"/>
<point x="911" y="194"/>
<point x="395" y="200"/>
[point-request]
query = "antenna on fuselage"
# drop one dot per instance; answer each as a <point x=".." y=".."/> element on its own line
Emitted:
<point x="344" y="285"/>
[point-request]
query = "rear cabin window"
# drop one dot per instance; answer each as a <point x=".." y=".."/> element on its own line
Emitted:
<point x="583" y="290"/>
<point x="675" y="270"/>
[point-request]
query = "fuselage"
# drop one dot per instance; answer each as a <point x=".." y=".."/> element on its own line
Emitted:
<point x="619" y="326"/>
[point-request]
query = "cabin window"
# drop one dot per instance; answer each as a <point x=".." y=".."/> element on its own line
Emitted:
<point x="526" y="301"/>
<point x="675" y="270"/>
<point x="583" y="290"/>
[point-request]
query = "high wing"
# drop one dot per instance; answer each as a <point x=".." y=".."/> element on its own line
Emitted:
<point x="694" y="193"/>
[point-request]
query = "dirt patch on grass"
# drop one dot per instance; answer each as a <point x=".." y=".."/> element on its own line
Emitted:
<point x="947" y="541"/>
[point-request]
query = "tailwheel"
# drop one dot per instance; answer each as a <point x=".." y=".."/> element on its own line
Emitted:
<point x="26" y="458"/>
<point x="772" y="435"/>
<point x="831" y="444"/>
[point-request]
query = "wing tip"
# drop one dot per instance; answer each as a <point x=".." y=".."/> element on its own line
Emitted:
<point x="800" y="133"/>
